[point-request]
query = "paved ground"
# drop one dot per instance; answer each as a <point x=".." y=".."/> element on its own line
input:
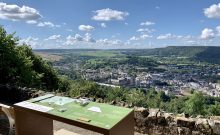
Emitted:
<point x="57" y="125"/>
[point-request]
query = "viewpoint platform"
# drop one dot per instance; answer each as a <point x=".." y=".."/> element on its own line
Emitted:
<point x="35" y="116"/>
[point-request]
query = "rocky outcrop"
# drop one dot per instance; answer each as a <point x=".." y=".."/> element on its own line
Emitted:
<point x="157" y="122"/>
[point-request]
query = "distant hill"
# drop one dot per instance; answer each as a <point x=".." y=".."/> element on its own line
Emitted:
<point x="209" y="54"/>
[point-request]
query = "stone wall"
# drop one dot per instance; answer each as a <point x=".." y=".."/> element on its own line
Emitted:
<point x="156" y="122"/>
<point x="147" y="121"/>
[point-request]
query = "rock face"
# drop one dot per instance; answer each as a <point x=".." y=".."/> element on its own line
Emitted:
<point x="156" y="122"/>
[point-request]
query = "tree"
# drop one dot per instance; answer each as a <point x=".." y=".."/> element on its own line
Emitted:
<point x="115" y="94"/>
<point x="176" y="105"/>
<point x="83" y="88"/>
<point x="137" y="98"/>
<point x="214" y="109"/>
<point x="15" y="65"/>
<point x="19" y="66"/>
<point x="196" y="104"/>
<point x="163" y="96"/>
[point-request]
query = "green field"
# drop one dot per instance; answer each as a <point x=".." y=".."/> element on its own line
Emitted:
<point x="50" y="57"/>
<point x="107" y="118"/>
<point x="101" y="53"/>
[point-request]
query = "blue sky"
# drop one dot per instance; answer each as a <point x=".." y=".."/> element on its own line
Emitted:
<point x="105" y="24"/>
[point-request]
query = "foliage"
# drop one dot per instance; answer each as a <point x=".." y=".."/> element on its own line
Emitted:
<point x="196" y="104"/>
<point x="115" y="94"/>
<point x="193" y="105"/>
<point x="208" y="54"/>
<point x="214" y="109"/>
<point x="19" y="66"/>
<point x="176" y="105"/>
<point x="136" y="98"/>
<point x="141" y="61"/>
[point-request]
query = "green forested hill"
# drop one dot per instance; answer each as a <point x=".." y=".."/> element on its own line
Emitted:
<point x="209" y="54"/>
<point x="203" y="53"/>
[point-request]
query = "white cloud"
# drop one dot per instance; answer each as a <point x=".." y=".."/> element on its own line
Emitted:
<point x="187" y="37"/>
<point x="53" y="37"/>
<point x="134" y="38"/>
<point x="127" y="42"/>
<point x="171" y="36"/>
<point x="78" y="37"/>
<point x="70" y="40"/>
<point x="103" y="41"/>
<point x="141" y="37"/>
<point x="116" y="42"/>
<point x="109" y="42"/>
<point x="47" y="24"/>
<point x="146" y="30"/>
<point x="207" y="34"/>
<point x="178" y="37"/>
<point x="23" y="13"/>
<point x="218" y="30"/>
<point x="16" y="13"/>
<point x="31" y="22"/>
<point x="147" y="23"/>
<point x="30" y="41"/>
<point x="109" y="14"/>
<point x="144" y="36"/>
<point x="166" y="36"/>
<point x="87" y="38"/>
<point x="213" y="11"/>
<point x="192" y="42"/>
<point x="103" y="25"/>
<point x="86" y="28"/>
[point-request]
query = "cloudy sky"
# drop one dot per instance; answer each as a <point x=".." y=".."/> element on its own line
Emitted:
<point x="105" y="24"/>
